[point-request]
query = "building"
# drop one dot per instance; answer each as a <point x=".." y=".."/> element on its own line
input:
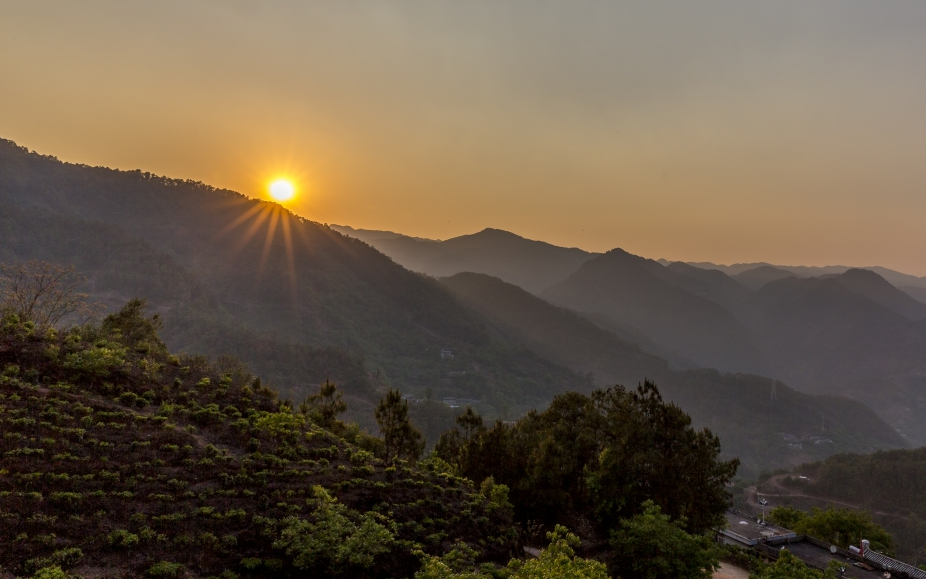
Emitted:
<point x="857" y="563"/>
<point x="744" y="530"/>
<point x="458" y="402"/>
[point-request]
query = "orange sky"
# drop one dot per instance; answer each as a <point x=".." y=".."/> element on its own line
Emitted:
<point x="792" y="132"/>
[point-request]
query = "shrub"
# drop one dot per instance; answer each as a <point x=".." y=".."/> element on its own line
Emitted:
<point x="337" y="539"/>
<point x="67" y="557"/>
<point x="165" y="569"/>
<point x="122" y="539"/>
<point x="95" y="361"/>
<point x="53" y="572"/>
<point x="68" y="499"/>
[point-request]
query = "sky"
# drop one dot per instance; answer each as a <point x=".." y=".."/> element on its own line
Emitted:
<point x="791" y="132"/>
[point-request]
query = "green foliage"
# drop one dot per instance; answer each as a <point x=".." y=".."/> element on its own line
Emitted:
<point x="54" y="572"/>
<point x="787" y="517"/>
<point x="95" y="361"/>
<point x="602" y="456"/>
<point x="841" y="527"/>
<point x="790" y="567"/>
<point x="651" y="546"/>
<point x="122" y="539"/>
<point x="400" y="438"/>
<point x="165" y="570"/>
<point x="120" y="486"/>
<point x="324" y="407"/>
<point x="134" y="328"/>
<point x="496" y="494"/>
<point x="557" y="561"/>
<point x="67" y="557"/>
<point x="279" y="424"/>
<point x="336" y="539"/>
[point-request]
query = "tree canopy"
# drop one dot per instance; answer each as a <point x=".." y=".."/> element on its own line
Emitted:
<point x="599" y="457"/>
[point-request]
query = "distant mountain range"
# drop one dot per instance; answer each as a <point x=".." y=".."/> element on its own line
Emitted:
<point x="300" y="302"/>
<point x="748" y="412"/>
<point x="532" y="265"/>
<point x="830" y="330"/>
<point x="430" y="256"/>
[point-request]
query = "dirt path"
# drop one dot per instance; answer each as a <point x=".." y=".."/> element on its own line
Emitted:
<point x="782" y="492"/>
<point x="728" y="571"/>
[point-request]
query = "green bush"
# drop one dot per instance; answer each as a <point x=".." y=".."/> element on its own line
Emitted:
<point x="166" y="570"/>
<point x="95" y="361"/>
<point x="338" y="538"/>
<point x="650" y="546"/>
<point x="53" y="572"/>
<point x="67" y="557"/>
<point x="122" y="539"/>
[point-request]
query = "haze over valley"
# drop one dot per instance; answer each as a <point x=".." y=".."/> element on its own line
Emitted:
<point x="604" y="289"/>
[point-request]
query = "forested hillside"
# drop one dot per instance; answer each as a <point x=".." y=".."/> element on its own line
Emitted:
<point x="888" y="484"/>
<point x="653" y="298"/>
<point x="119" y="459"/>
<point x="294" y="298"/>
<point x="760" y="420"/>
<point x="834" y="330"/>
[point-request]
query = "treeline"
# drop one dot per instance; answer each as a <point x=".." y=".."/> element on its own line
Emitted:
<point x="176" y="466"/>
<point x="887" y="483"/>
<point x="889" y="480"/>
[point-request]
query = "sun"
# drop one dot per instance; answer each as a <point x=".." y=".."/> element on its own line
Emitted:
<point x="282" y="190"/>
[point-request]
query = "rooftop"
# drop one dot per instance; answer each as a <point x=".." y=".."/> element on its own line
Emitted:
<point x="747" y="527"/>
<point x="820" y="557"/>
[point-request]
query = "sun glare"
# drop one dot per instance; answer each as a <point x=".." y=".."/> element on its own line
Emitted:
<point x="282" y="190"/>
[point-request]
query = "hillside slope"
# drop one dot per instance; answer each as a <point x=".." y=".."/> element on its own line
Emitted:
<point x="269" y="272"/>
<point x="556" y="333"/>
<point x="879" y="290"/>
<point x="652" y="298"/>
<point x="749" y="413"/>
<point x="118" y="459"/>
<point x="119" y="267"/>
<point x="823" y="334"/>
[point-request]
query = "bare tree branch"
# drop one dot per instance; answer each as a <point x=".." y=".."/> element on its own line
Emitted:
<point x="45" y="293"/>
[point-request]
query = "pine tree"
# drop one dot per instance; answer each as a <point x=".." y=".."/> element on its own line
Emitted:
<point x="323" y="408"/>
<point x="400" y="438"/>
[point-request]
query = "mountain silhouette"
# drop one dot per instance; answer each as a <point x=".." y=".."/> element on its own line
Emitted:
<point x="879" y="290"/>
<point x="758" y="277"/>
<point x="738" y="407"/>
<point x="649" y="296"/>
<point x="532" y="265"/>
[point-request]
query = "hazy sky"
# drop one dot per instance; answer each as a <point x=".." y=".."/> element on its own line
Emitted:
<point x="784" y="131"/>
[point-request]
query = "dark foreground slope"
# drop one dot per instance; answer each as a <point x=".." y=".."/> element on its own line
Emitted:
<point x="117" y="458"/>
<point x="762" y="421"/>
<point x="237" y="275"/>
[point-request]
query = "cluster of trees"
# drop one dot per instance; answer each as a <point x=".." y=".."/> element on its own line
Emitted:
<point x="624" y="466"/>
<point x="600" y="456"/>
<point x="887" y="481"/>
<point x="841" y="527"/>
